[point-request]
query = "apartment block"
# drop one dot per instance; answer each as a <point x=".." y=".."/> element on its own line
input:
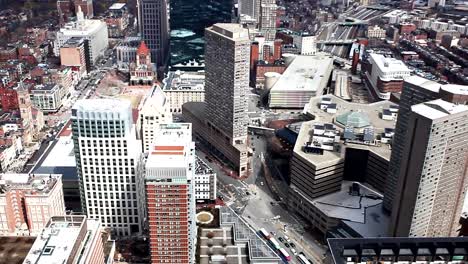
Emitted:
<point x="170" y="195"/>
<point x="27" y="201"/>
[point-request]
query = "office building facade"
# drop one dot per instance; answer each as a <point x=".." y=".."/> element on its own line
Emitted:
<point x="107" y="154"/>
<point x="432" y="181"/>
<point x="227" y="79"/>
<point x="153" y="22"/>
<point x="170" y="195"/>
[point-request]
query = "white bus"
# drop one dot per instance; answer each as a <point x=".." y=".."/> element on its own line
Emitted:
<point x="302" y="259"/>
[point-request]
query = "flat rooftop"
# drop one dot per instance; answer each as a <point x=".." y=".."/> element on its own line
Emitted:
<point x="438" y="109"/>
<point x="58" y="238"/>
<point x="102" y="105"/>
<point x="201" y="168"/>
<point x="117" y="6"/>
<point x="230" y="30"/>
<point x="184" y="81"/>
<point x="363" y="213"/>
<point x="31" y="184"/>
<point x="386" y="64"/>
<point x="305" y="73"/>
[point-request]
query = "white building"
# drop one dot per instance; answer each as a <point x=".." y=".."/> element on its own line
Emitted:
<point x="376" y="32"/>
<point x="306" y="44"/>
<point x="205" y="181"/>
<point x="170" y="192"/>
<point x="95" y="31"/>
<point x="182" y="87"/>
<point x="48" y="97"/>
<point x="107" y="156"/>
<point x="153" y="110"/>
<point x="68" y="239"/>
<point x="387" y="75"/>
<point x="305" y="77"/>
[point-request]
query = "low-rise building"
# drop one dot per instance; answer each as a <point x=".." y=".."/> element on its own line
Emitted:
<point x="48" y="97"/>
<point x="69" y="239"/>
<point x="305" y="77"/>
<point x="181" y="87"/>
<point x="205" y="181"/>
<point x="386" y="75"/>
<point x="376" y="32"/>
<point x="27" y="201"/>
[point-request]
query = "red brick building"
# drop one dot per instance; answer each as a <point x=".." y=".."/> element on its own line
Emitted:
<point x="8" y="98"/>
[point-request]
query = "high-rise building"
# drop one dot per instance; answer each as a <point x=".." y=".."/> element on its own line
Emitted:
<point x="153" y="20"/>
<point x="267" y="15"/>
<point x="75" y="53"/>
<point x="170" y="195"/>
<point x="247" y="7"/>
<point x="28" y="201"/>
<point x="153" y="111"/>
<point x="227" y="79"/>
<point x="107" y="154"/>
<point x="416" y="90"/>
<point x="432" y="179"/>
<point x="69" y="239"/>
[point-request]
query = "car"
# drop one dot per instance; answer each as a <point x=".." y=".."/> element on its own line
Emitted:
<point x="281" y="239"/>
<point x="294" y="251"/>
<point x="292" y="245"/>
<point x="287" y="245"/>
<point x="287" y="238"/>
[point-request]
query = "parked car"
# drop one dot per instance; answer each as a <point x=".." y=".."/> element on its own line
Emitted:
<point x="287" y="245"/>
<point x="287" y="239"/>
<point x="281" y="239"/>
<point x="292" y="245"/>
<point x="294" y="251"/>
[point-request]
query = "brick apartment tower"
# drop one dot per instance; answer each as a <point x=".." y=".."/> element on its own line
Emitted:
<point x="170" y="195"/>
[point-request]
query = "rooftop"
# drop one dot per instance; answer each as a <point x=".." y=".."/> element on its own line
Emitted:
<point x="171" y="148"/>
<point x="438" y="109"/>
<point x="184" y="81"/>
<point x="59" y="238"/>
<point x="370" y="114"/>
<point x="117" y="6"/>
<point x="201" y="168"/>
<point x="424" y="83"/>
<point x="305" y="73"/>
<point x="387" y="64"/>
<point x="32" y="184"/>
<point x="362" y="212"/>
<point x="101" y="105"/>
<point x="230" y="30"/>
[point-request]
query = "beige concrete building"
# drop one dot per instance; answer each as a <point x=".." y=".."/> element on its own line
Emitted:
<point x="433" y="171"/>
<point x="342" y="133"/>
<point x="222" y="121"/>
<point x="183" y="87"/>
<point x="28" y="201"/>
<point x="153" y="110"/>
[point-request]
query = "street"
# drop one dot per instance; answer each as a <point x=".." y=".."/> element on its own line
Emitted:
<point x="253" y="200"/>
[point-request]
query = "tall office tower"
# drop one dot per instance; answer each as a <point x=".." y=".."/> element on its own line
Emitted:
<point x="170" y="195"/>
<point x="227" y="57"/>
<point x="267" y="20"/>
<point x="247" y="7"/>
<point x="27" y="201"/>
<point x="153" y="22"/>
<point x="433" y="174"/>
<point x="153" y="111"/>
<point x="107" y="153"/>
<point x="416" y="90"/>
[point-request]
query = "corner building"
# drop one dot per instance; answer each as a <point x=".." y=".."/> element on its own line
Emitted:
<point x="170" y="195"/>
<point x="107" y="154"/>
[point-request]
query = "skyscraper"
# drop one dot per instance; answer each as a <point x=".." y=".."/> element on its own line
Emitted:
<point x="227" y="79"/>
<point x="433" y="171"/>
<point x="170" y="195"/>
<point x="107" y="154"/>
<point x="153" y="22"/>
<point x="416" y="90"/>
